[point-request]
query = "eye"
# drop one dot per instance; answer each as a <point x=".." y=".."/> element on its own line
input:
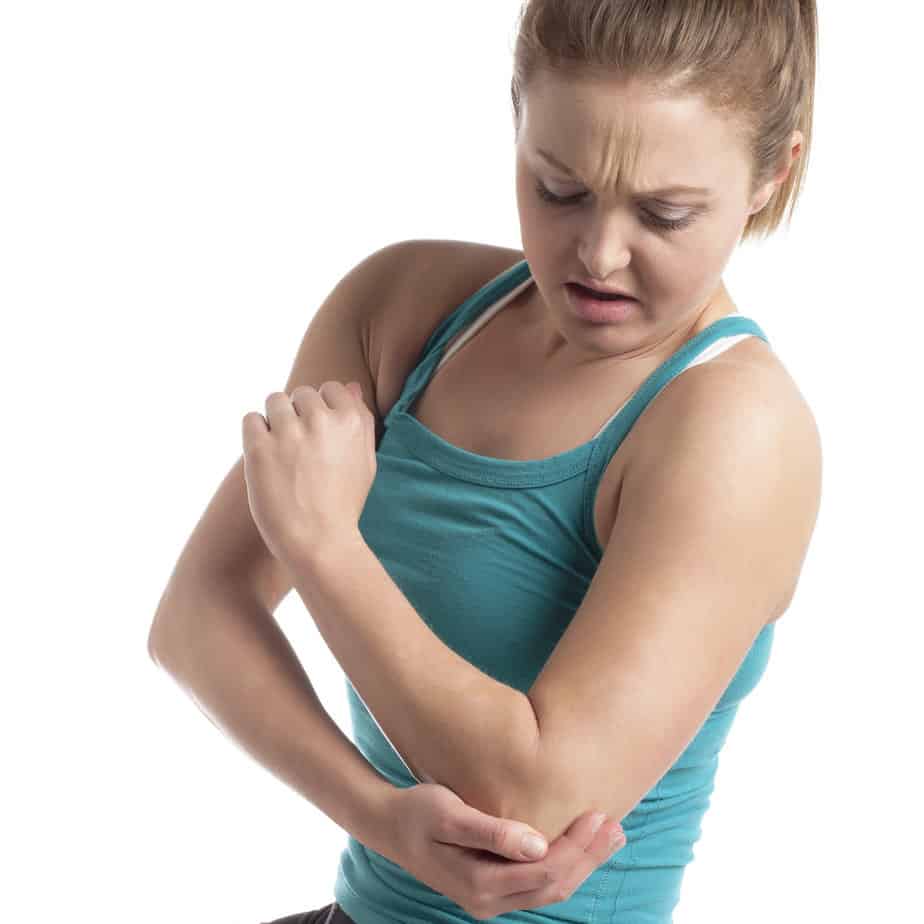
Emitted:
<point x="548" y="196"/>
<point x="670" y="224"/>
<point x="667" y="224"/>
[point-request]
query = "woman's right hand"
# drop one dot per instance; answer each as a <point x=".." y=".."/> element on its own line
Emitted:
<point x="474" y="858"/>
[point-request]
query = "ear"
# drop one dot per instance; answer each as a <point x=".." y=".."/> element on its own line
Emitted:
<point x="762" y="196"/>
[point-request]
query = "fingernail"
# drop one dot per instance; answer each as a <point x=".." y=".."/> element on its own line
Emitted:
<point x="617" y="838"/>
<point x="532" y="846"/>
<point x="596" y="822"/>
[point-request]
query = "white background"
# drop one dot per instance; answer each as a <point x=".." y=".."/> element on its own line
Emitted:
<point x="182" y="184"/>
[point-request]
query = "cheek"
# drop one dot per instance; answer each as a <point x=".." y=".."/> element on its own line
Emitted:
<point x="700" y="268"/>
<point x="688" y="275"/>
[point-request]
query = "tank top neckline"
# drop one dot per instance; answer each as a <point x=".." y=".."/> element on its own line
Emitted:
<point x="460" y="463"/>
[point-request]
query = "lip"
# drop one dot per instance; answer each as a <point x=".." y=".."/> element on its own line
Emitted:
<point x="598" y="310"/>
<point x="604" y="290"/>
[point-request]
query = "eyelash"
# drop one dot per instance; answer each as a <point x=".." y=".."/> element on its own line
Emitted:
<point x="665" y="223"/>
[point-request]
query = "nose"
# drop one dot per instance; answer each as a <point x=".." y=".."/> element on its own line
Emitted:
<point x="604" y="247"/>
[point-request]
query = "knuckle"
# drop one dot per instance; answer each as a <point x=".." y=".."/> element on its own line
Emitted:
<point x="495" y="835"/>
<point x="258" y="453"/>
<point x="446" y="827"/>
<point x="440" y="829"/>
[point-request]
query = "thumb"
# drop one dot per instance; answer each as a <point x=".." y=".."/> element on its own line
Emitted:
<point x="502" y="836"/>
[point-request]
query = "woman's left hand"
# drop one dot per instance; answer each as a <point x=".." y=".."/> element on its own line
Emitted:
<point x="309" y="465"/>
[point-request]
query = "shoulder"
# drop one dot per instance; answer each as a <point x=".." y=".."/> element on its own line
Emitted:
<point x="747" y="388"/>
<point x="744" y="429"/>
<point x="746" y="393"/>
<point x="429" y="279"/>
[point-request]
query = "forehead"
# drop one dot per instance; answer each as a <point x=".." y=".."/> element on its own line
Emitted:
<point x="616" y="135"/>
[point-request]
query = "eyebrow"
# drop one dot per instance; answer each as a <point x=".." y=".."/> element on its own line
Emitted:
<point x="666" y="190"/>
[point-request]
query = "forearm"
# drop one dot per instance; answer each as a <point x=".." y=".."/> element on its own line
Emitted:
<point x="230" y="656"/>
<point x="451" y="723"/>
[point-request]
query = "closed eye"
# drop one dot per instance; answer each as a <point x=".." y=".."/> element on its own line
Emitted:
<point x="668" y="224"/>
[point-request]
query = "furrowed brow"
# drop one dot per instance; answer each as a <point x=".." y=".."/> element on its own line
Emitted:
<point x="663" y="191"/>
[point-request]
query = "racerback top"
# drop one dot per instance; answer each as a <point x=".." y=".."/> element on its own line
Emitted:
<point x="495" y="555"/>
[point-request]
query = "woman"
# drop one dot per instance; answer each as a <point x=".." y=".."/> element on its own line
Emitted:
<point x="544" y="599"/>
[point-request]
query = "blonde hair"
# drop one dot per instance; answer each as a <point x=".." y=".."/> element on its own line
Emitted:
<point x="752" y="60"/>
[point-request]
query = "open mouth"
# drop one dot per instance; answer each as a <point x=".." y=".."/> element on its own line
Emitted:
<point x="602" y="296"/>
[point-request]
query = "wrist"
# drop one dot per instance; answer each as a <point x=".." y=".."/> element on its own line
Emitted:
<point x="333" y="554"/>
<point x="379" y="828"/>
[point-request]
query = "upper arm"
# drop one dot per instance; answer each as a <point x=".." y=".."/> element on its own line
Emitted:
<point x="714" y="521"/>
<point x="225" y="546"/>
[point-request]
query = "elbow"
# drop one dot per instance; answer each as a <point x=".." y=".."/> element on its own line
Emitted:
<point x="157" y="642"/>
<point x="545" y="792"/>
<point x="153" y="645"/>
<point x="527" y="792"/>
<point x="152" y="650"/>
<point x="166" y="633"/>
<point x="494" y="778"/>
<point x="535" y="800"/>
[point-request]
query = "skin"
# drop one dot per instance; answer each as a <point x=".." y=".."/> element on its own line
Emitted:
<point x="676" y="275"/>
<point x="621" y="141"/>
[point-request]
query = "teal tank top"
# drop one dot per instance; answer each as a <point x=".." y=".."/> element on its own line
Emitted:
<point x="496" y="555"/>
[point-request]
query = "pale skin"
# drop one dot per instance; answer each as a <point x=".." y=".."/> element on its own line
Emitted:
<point x="323" y="436"/>
<point x="620" y="143"/>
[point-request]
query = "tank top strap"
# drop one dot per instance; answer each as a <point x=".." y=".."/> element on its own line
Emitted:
<point x="610" y="437"/>
<point x="494" y="293"/>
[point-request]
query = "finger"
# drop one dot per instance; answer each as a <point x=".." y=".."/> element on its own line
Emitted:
<point x="584" y="829"/>
<point x="558" y="887"/>
<point x="336" y="394"/>
<point x="279" y="410"/>
<point x="306" y="399"/>
<point x="609" y="839"/>
<point x="368" y="417"/>
<point x="501" y="836"/>
<point x="500" y="878"/>
<point x="569" y="879"/>
<point x="253" y="429"/>
<point x="566" y="852"/>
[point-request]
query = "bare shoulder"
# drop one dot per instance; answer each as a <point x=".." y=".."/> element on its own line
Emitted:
<point x="744" y="407"/>
<point x="747" y="385"/>
<point x="432" y="278"/>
